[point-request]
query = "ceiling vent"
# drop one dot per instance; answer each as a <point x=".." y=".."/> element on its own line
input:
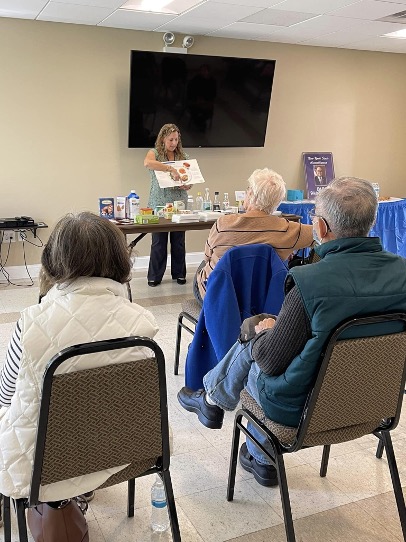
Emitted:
<point x="399" y="18"/>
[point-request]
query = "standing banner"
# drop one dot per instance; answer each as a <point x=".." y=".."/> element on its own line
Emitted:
<point x="318" y="170"/>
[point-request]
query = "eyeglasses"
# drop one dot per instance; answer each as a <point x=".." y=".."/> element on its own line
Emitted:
<point x="312" y="214"/>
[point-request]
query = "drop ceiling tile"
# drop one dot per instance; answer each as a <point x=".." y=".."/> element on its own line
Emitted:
<point x="367" y="9"/>
<point x="318" y="26"/>
<point x="219" y="11"/>
<point x="113" y="4"/>
<point x="363" y="30"/>
<point x="21" y="9"/>
<point x="258" y="3"/>
<point x="136" y="20"/>
<point x="71" y="13"/>
<point x="277" y="17"/>
<point x="387" y="45"/>
<point x="319" y="7"/>
<point x="200" y="26"/>
<point x="245" y="31"/>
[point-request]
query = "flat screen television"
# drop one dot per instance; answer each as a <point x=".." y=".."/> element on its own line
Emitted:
<point x="215" y="101"/>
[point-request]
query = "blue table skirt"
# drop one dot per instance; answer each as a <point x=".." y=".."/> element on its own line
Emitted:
<point x="390" y="224"/>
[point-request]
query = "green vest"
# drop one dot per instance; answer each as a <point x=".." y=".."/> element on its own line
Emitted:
<point x="355" y="277"/>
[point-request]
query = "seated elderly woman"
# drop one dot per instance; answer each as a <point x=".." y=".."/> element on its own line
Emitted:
<point x="87" y="263"/>
<point x="266" y="189"/>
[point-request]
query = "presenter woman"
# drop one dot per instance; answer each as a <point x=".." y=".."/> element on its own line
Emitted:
<point x="168" y="147"/>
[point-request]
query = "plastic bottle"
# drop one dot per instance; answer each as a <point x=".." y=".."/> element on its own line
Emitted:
<point x="226" y="202"/>
<point x="190" y="203"/>
<point x="199" y="202"/>
<point x="207" y="205"/>
<point x="159" y="514"/>
<point x="216" y="202"/>
<point x="133" y="201"/>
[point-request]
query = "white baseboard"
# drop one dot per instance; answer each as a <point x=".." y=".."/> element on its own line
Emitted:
<point x="19" y="272"/>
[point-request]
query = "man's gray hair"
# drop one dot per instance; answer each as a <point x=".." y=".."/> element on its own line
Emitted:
<point x="349" y="205"/>
<point x="268" y="190"/>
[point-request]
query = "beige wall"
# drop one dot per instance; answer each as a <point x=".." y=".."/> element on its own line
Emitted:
<point x="64" y="109"/>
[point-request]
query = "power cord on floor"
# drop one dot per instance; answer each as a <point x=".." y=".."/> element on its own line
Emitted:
<point x="23" y="236"/>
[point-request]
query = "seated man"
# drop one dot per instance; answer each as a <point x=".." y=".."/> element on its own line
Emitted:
<point x="278" y="362"/>
<point x="266" y="189"/>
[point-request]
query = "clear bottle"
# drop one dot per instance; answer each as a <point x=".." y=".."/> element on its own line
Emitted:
<point x="159" y="514"/>
<point x="226" y="202"/>
<point x="207" y="205"/>
<point x="199" y="202"/>
<point x="190" y="203"/>
<point x="216" y="202"/>
<point x="133" y="205"/>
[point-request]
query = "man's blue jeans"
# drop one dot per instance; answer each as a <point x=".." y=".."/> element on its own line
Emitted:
<point x="236" y="371"/>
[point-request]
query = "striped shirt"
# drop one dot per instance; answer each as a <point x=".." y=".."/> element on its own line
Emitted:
<point x="8" y="375"/>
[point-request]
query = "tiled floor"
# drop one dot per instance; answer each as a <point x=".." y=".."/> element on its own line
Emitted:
<point x="353" y="503"/>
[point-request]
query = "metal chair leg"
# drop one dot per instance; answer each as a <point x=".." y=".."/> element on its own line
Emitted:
<point x="283" y="487"/>
<point x="7" y="519"/>
<point x="173" y="516"/>
<point x="380" y="448"/>
<point x="22" y="525"/>
<point x="177" y="348"/>
<point x="131" y="497"/>
<point x="397" y="488"/>
<point x="233" y="458"/>
<point x="324" y="460"/>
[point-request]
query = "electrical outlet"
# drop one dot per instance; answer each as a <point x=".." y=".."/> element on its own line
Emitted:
<point x="9" y="236"/>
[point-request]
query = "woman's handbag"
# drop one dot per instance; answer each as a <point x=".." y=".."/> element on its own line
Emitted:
<point x="66" y="523"/>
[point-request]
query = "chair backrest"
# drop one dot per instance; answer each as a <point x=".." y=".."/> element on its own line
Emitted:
<point x="102" y="417"/>
<point x="360" y="383"/>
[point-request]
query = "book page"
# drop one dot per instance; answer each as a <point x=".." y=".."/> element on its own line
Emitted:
<point x="188" y="170"/>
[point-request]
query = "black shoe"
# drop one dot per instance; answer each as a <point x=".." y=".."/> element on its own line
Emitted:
<point x="264" y="474"/>
<point x="154" y="283"/>
<point x="180" y="281"/>
<point x="195" y="401"/>
<point x="89" y="496"/>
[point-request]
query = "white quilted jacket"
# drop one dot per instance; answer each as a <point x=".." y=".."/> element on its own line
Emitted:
<point x="90" y="309"/>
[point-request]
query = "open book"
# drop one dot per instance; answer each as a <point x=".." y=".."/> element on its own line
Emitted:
<point x="188" y="170"/>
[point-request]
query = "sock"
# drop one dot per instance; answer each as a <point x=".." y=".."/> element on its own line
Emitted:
<point x="209" y="400"/>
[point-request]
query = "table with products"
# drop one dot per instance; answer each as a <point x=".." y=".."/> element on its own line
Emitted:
<point x="390" y="224"/>
<point x="166" y="225"/>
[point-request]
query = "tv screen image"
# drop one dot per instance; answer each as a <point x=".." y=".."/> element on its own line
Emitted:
<point x="215" y="101"/>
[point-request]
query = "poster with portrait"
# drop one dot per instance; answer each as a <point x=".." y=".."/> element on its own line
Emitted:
<point x="318" y="170"/>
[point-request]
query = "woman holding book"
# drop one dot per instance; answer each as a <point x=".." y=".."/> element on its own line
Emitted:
<point x="168" y="148"/>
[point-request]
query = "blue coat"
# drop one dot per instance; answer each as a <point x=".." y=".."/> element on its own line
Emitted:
<point x="247" y="280"/>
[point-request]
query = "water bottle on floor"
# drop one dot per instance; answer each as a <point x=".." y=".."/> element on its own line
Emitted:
<point x="159" y="514"/>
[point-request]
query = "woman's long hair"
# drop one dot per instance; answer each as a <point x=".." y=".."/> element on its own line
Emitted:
<point x="166" y="130"/>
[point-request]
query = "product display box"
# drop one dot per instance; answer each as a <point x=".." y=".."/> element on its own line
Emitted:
<point x="106" y="207"/>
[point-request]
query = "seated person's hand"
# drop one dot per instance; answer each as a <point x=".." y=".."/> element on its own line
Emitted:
<point x="268" y="323"/>
<point x="248" y="327"/>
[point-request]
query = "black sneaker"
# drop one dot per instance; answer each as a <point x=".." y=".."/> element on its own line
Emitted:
<point x="195" y="401"/>
<point x="181" y="281"/>
<point x="264" y="474"/>
<point x="154" y="283"/>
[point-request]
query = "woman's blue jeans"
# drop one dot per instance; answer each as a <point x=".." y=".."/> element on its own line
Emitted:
<point x="236" y="371"/>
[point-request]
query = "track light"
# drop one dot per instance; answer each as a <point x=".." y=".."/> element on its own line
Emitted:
<point x="169" y="38"/>
<point x="188" y="41"/>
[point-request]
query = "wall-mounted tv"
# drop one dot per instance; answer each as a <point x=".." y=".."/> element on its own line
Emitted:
<point x="216" y="101"/>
